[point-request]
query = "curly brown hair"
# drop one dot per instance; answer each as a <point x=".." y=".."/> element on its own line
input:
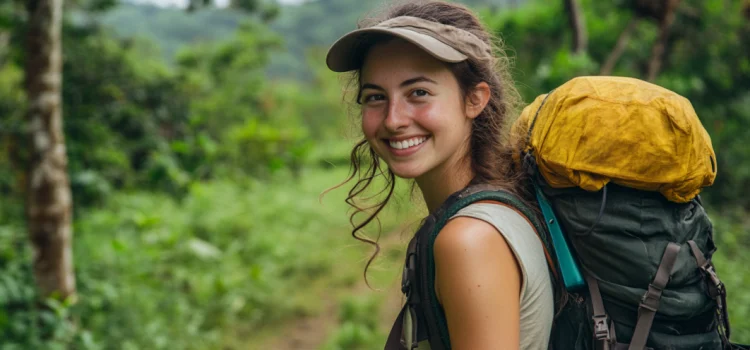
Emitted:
<point x="490" y="152"/>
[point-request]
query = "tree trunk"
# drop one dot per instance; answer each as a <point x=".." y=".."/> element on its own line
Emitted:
<point x="657" y="51"/>
<point x="49" y="200"/>
<point x="577" y="25"/>
<point x="622" y="41"/>
<point x="4" y="47"/>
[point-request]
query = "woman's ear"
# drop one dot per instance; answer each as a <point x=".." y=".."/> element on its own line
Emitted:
<point x="477" y="99"/>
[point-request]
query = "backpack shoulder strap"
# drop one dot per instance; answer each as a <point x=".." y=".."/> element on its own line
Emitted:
<point x="427" y="316"/>
<point x="434" y="317"/>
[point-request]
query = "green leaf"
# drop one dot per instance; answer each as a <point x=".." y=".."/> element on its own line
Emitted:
<point x="203" y="249"/>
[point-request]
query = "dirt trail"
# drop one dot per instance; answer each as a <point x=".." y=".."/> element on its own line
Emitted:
<point x="311" y="332"/>
<point x="390" y="308"/>
<point x="307" y="333"/>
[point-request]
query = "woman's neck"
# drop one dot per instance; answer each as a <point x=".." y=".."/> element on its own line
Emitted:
<point x="437" y="185"/>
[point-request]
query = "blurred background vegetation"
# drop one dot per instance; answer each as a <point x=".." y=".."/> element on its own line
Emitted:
<point x="200" y="138"/>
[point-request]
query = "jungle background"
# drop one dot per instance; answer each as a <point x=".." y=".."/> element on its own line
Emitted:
<point x="200" y="137"/>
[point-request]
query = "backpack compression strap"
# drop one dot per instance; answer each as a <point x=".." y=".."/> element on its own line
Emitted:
<point x="715" y="287"/>
<point x="418" y="280"/>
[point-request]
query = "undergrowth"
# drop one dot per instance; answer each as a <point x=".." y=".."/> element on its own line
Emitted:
<point x="205" y="271"/>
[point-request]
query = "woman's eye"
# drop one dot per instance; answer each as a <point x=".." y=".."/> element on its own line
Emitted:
<point x="420" y="93"/>
<point x="372" y="98"/>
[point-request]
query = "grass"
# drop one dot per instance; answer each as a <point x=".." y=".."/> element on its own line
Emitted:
<point x="225" y="265"/>
<point x="332" y="246"/>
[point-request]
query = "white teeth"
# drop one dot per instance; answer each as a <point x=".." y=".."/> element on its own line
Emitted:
<point x="407" y="143"/>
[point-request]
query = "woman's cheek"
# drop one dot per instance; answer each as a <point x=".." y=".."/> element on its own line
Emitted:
<point x="428" y="116"/>
<point x="370" y="124"/>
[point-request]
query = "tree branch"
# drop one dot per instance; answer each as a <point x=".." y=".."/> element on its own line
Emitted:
<point x="657" y="51"/>
<point x="577" y="25"/>
<point x="622" y="42"/>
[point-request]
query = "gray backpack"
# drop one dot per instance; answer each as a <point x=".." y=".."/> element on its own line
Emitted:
<point x="647" y="265"/>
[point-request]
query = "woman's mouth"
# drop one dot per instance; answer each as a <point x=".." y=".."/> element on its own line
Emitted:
<point x="405" y="147"/>
<point x="408" y="143"/>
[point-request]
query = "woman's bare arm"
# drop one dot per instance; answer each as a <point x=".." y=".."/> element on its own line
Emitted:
<point x="478" y="283"/>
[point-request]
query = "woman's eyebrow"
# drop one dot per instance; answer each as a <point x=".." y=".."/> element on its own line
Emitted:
<point x="407" y="82"/>
<point x="419" y="79"/>
<point x="370" y="86"/>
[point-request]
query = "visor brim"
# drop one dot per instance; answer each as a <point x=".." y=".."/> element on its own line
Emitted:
<point x="347" y="54"/>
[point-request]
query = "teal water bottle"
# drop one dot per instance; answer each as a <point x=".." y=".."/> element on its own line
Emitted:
<point x="571" y="273"/>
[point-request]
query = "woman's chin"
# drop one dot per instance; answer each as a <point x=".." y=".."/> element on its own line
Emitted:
<point x="406" y="173"/>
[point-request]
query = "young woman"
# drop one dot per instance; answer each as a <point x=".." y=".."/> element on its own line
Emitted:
<point x="436" y="102"/>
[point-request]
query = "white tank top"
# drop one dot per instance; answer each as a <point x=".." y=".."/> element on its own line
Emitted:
<point x="537" y="305"/>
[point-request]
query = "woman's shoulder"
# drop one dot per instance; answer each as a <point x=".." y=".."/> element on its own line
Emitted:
<point x="466" y="243"/>
<point x="467" y="232"/>
<point x="471" y="258"/>
<point x="485" y="255"/>
<point x="480" y="220"/>
<point x="509" y="221"/>
<point x="522" y="250"/>
<point x="470" y="246"/>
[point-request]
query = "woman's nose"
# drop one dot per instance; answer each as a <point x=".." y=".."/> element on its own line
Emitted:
<point x="397" y="117"/>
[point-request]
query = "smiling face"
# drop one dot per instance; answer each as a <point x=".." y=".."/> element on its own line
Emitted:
<point x="413" y="112"/>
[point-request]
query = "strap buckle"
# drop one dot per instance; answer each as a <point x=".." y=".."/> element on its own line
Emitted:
<point x="601" y="327"/>
<point x="405" y="283"/>
<point x="650" y="299"/>
<point x="408" y="274"/>
<point x="716" y="288"/>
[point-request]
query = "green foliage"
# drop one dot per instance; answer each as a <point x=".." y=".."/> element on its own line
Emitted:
<point x="25" y="322"/>
<point x="358" y="317"/>
<point x="231" y="103"/>
<point x="124" y="101"/>
<point x="731" y="259"/>
<point x="162" y="128"/>
<point x="362" y="310"/>
<point x="173" y="28"/>
<point x="11" y="106"/>
<point x="155" y="273"/>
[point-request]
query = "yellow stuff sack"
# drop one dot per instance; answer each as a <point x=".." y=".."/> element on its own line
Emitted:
<point x="593" y="130"/>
